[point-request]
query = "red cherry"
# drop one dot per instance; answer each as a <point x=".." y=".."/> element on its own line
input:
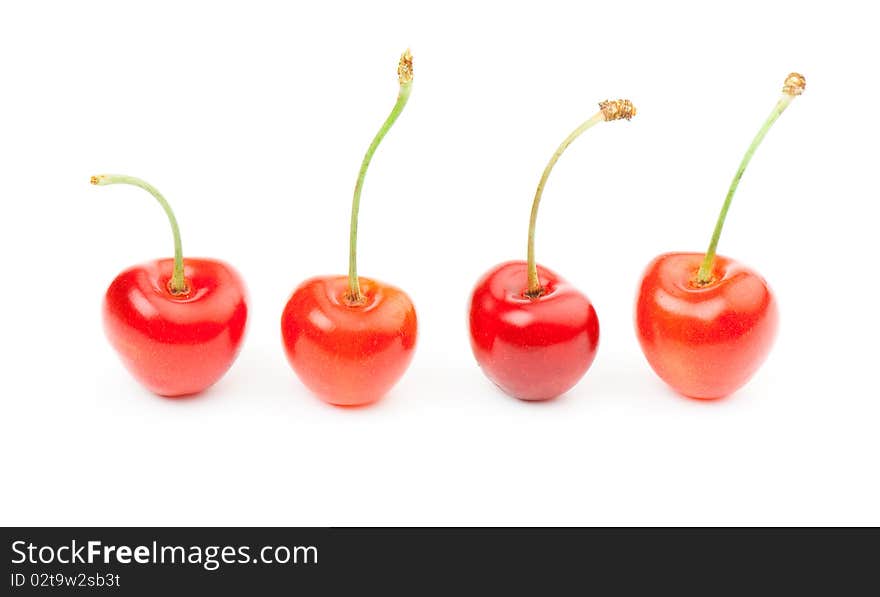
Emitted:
<point x="704" y="341"/>
<point x="532" y="348"/>
<point x="350" y="339"/>
<point x="177" y="324"/>
<point x="176" y="344"/>
<point x="348" y="354"/>
<point x="533" y="333"/>
<point x="705" y="322"/>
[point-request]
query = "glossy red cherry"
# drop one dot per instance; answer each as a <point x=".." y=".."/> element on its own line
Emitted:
<point x="347" y="354"/>
<point x="176" y="344"/>
<point x="532" y="348"/>
<point x="350" y="339"/>
<point x="177" y="324"/>
<point x="533" y="333"/>
<point x="704" y="341"/>
<point x="705" y="322"/>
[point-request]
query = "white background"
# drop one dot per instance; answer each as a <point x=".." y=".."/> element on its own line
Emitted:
<point x="252" y="119"/>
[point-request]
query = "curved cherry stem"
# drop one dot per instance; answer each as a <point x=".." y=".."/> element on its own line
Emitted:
<point x="793" y="87"/>
<point x="405" y="77"/>
<point x="609" y="110"/>
<point x="178" y="284"/>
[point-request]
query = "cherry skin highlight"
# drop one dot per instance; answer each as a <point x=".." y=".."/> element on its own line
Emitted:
<point x="706" y="341"/>
<point x="532" y="348"/>
<point x="349" y="355"/>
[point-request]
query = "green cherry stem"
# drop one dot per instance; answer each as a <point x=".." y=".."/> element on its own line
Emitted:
<point x="794" y="86"/>
<point x="608" y="110"/>
<point x="405" y="77"/>
<point x="178" y="284"/>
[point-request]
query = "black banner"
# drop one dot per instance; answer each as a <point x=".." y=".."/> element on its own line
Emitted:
<point x="412" y="561"/>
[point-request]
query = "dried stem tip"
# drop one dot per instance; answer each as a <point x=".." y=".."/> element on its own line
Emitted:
<point x="99" y="179"/>
<point x="795" y="83"/>
<point x="405" y="68"/>
<point x="617" y="109"/>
